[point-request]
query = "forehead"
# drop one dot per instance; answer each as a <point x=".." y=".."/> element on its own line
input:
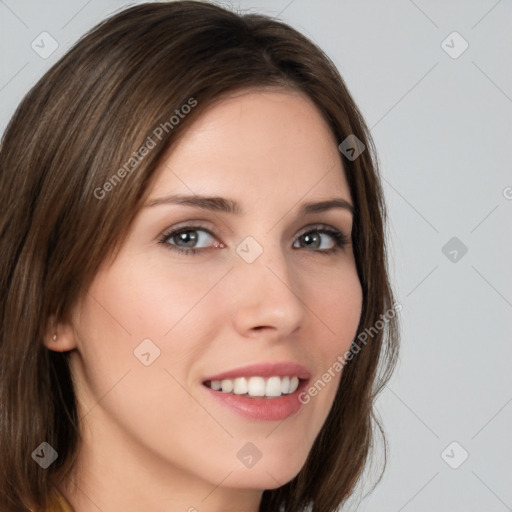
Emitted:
<point x="258" y="143"/>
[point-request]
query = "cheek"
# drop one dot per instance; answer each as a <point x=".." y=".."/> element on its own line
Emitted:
<point x="122" y="309"/>
<point x="337" y="300"/>
<point x="141" y="300"/>
<point x="337" y="307"/>
<point x="151" y="322"/>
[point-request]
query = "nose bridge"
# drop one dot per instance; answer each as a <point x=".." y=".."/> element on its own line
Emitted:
<point x="268" y="294"/>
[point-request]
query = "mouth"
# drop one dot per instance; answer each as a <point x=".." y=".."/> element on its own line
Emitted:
<point x="261" y="391"/>
<point x="256" y="386"/>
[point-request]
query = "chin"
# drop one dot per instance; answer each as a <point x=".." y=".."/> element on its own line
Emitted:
<point x="275" y="473"/>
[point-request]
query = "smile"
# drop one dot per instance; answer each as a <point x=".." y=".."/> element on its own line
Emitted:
<point x="256" y="386"/>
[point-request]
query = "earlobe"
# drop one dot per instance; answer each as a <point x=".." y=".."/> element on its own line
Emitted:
<point x="53" y="344"/>
<point x="59" y="337"/>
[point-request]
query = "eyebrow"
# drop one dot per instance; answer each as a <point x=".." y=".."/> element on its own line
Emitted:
<point x="225" y="205"/>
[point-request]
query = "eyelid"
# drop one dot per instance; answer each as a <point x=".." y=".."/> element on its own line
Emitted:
<point x="186" y="226"/>
<point x="191" y="225"/>
<point x="341" y="238"/>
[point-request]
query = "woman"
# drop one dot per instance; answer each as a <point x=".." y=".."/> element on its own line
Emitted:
<point x="196" y="312"/>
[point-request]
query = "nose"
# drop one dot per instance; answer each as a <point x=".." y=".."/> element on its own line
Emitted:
<point x="268" y="296"/>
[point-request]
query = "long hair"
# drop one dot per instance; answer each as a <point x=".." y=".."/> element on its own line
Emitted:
<point x="66" y="206"/>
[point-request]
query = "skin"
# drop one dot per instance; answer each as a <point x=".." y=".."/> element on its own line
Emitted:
<point x="154" y="439"/>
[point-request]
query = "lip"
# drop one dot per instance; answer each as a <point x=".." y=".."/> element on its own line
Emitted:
<point x="264" y="370"/>
<point x="262" y="408"/>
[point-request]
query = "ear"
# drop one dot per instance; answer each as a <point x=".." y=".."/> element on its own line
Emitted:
<point x="59" y="336"/>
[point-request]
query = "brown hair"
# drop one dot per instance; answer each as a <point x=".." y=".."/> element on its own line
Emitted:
<point x="83" y="120"/>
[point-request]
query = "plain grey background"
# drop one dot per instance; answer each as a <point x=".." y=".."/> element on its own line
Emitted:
<point x="439" y="105"/>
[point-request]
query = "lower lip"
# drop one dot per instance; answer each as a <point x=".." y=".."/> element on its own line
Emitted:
<point x="261" y="408"/>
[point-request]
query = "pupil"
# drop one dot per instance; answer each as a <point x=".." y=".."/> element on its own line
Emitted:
<point x="188" y="238"/>
<point x="310" y="238"/>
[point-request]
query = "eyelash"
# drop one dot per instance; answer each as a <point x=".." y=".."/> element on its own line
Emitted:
<point x="341" y="240"/>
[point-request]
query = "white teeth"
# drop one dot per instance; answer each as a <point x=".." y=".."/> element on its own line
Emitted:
<point x="273" y="387"/>
<point x="240" y="386"/>
<point x="285" y="385"/>
<point x="216" y="385"/>
<point x="227" y="386"/>
<point x="257" y="386"/>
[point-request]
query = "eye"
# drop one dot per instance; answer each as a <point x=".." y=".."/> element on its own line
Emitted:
<point x="185" y="240"/>
<point x="313" y="239"/>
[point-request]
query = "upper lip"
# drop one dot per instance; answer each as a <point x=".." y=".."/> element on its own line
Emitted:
<point x="264" y="370"/>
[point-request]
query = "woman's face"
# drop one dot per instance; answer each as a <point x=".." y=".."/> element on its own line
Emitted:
<point x="266" y="286"/>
